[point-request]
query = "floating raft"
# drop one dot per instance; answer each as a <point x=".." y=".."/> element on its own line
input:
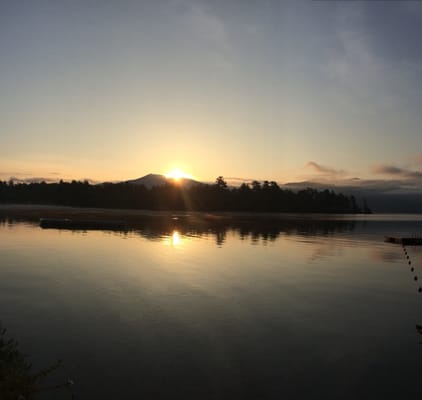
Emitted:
<point x="408" y="241"/>
<point x="64" y="223"/>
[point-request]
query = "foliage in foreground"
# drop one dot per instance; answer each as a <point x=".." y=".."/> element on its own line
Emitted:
<point x="18" y="381"/>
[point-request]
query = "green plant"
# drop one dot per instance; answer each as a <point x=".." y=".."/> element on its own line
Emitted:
<point x="18" y="381"/>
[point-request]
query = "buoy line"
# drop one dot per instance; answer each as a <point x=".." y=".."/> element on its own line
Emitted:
<point x="412" y="269"/>
<point x="415" y="278"/>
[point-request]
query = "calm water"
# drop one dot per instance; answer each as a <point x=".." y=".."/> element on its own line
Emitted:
<point x="251" y="310"/>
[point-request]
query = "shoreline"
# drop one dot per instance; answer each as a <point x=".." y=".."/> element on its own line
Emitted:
<point x="53" y="211"/>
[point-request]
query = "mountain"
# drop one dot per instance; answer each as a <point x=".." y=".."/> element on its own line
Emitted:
<point x="149" y="180"/>
<point x="381" y="196"/>
<point x="152" y="180"/>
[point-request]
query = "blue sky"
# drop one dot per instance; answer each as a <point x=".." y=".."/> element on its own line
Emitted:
<point x="290" y="91"/>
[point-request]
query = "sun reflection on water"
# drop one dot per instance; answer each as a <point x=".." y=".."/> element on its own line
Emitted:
<point x="174" y="239"/>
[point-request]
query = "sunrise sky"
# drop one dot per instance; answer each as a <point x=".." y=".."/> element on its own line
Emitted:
<point x="112" y="90"/>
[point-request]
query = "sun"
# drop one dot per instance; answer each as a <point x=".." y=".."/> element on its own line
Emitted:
<point x="177" y="174"/>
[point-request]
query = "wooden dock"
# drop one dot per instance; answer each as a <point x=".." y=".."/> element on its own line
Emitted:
<point x="406" y="241"/>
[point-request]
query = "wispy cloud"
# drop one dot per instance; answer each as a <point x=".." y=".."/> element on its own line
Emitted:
<point x="417" y="160"/>
<point x="36" y="179"/>
<point x="31" y="179"/>
<point x="7" y="174"/>
<point x="394" y="170"/>
<point x="358" y="69"/>
<point x="362" y="186"/>
<point x="387" y="169"/>
<point x="211" y="29"/>
<point x="238" y="179"/>
<point x="325" y="170"/>
<point x="414" y="8"/>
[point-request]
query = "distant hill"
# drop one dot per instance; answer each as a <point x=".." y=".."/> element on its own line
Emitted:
<point x="152" y="180"/>
<point x="381" y="196"/>
<point x="266" y="197"/>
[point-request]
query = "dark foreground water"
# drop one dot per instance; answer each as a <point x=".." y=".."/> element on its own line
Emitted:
<point x="177" y="309"/>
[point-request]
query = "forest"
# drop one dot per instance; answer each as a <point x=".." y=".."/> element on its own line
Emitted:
<point x="254" y="197"/>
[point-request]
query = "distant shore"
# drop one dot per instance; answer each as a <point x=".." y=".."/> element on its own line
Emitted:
<point x="266" y="197"/>
<point x="36" y="211"/>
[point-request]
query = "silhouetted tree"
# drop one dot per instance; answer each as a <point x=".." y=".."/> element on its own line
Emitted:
<point x="221" y="183"/>
<point x="256" y="186"/>
<point x="268" y="197"/>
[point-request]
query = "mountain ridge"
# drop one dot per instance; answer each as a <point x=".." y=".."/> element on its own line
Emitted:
<point x="152" y="180"/>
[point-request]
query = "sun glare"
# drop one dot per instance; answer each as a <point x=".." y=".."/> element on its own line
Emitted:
<point x="177" y="175"/>
<point x="174" y="239"/>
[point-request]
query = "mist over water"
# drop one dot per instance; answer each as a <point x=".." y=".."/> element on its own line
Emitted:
<point x="193" y="308"/>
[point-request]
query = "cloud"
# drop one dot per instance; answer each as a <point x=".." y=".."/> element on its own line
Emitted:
<point x="363" y="187"/>
<point x="52" y="177"/>
<point x="414" y="8"/>
<point x="208" y="24"/>
<point x="7" y="174"/>
<point x="357" y="66"/>
<point x="417" y="160"/>
<point x="28" y="177"/>
<point x="211" y="29"/>
<point x="354" y="61"/>
<point x="387" y="169"/>
<point x="322" y="169"/>
<point x="238" y="179"/>
<point x="31" y="180"/>
<point x="396" y="171"/>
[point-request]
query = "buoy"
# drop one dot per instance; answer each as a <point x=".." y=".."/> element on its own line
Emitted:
<point x="420" y="289"/>
<point x="412" y="269"/>
<point x="415" y="278"/>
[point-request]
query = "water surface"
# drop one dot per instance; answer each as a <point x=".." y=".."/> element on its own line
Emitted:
<point x="249" y="309"/>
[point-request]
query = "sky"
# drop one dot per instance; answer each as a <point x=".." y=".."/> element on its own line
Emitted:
<point x="321" y="91"/>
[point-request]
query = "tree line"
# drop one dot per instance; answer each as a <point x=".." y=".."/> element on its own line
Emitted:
<point x="254" y="197"/>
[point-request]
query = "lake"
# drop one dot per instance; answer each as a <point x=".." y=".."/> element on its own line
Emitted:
<point x="218" y="307"/>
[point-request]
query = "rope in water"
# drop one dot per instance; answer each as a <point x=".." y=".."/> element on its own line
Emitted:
<point x="412" y="269"/>
<point x="415" y="278"/>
